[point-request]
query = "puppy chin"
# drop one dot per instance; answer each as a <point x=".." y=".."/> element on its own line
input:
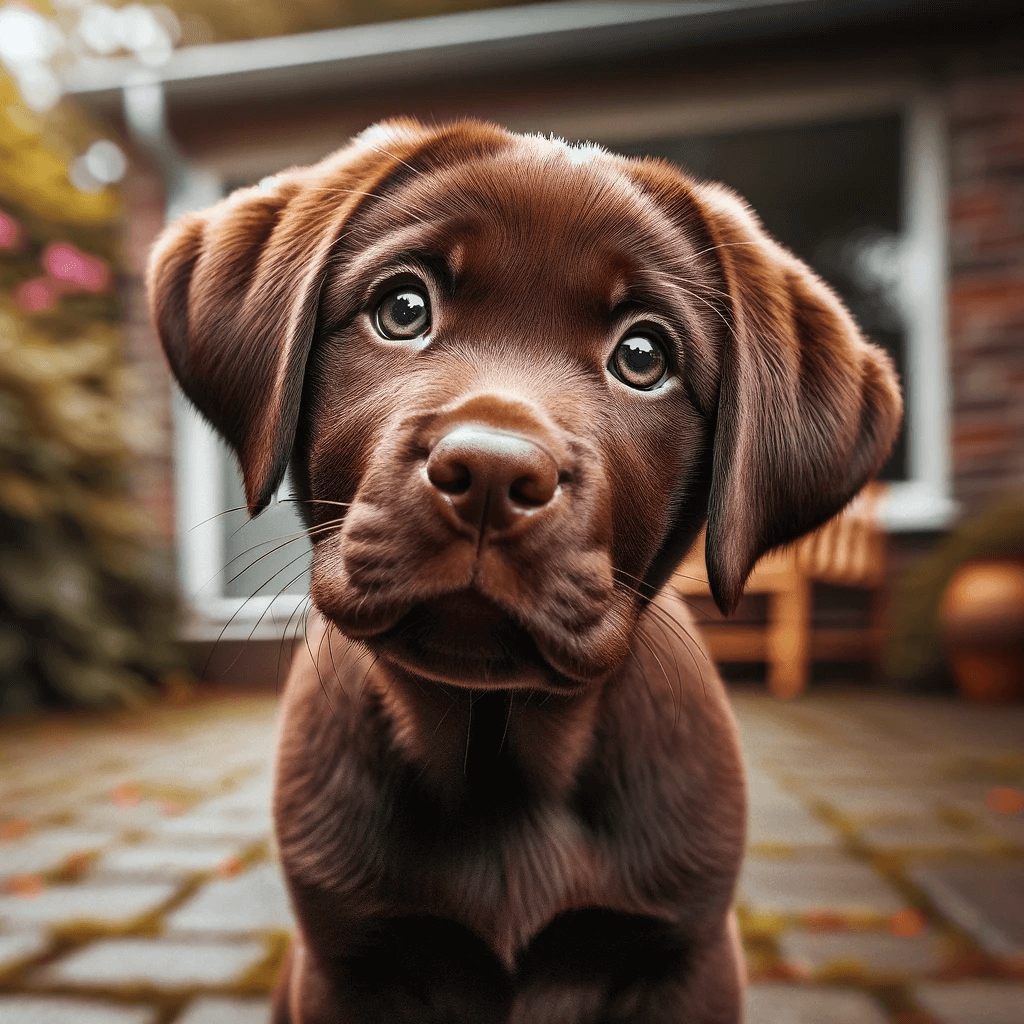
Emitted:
<point x="465" y="640"/>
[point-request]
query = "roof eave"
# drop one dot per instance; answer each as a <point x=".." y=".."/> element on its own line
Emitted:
<point x="459" y="44"/>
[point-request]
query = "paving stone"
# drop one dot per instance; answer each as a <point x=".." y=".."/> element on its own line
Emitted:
<point x="103" y="904"/>
<point x="226" y="1011"/>
<point x="18" y="946"/>
<point x="250" y="901"/>
<point x="44" y="1010"/>
<point x="198" y="825"/>
<point x="764" y="791"/>
<point x="44" y="851"/>
<point x="144" y="859"/>
<point x="1009" y="828"/>
<point x="869" y="803"/>
<point x="801" y="887"/>
<point x="788" y="825"/>
<point x="253" y="797"/>
<point x="156" y="962"/>
<point x="924" y="834"/>
<point x="874" y="954"/>
<point x="106" y="814"/>
<point x="792" y="1004"/>
<point x="973" y="1002"/>
<point x="870" y="766"/>
<point x="985" y="898"/>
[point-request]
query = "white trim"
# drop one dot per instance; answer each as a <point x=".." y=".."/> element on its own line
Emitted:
<point x="258" y="618"/>
<point x="199" y="526"/>
<point x="924" y="501"/>
<point x="198" y="502"/>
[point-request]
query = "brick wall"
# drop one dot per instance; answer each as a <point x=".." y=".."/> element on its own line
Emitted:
<point x="150" y="394"/>
<point x="986" y="125"/>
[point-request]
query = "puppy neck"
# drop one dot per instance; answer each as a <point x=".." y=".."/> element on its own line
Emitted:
<point x="463" y="741"/>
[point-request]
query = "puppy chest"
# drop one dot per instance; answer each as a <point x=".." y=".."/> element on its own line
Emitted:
<point x="504" y="888"/>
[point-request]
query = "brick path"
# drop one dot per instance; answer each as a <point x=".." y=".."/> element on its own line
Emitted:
<point x="884" y="885"/>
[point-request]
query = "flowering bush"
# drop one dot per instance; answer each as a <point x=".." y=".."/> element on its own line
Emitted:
<point x="83" y="614"/>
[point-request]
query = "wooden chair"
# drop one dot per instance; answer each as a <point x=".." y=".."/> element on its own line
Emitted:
<point x="849" y="550"/>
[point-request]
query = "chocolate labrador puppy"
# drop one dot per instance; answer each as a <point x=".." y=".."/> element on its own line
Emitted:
<point x="512" y="379"/>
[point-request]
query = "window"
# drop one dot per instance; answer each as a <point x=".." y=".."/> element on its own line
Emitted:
<point x="831" y="193"/>
<point x="854" y="182"/>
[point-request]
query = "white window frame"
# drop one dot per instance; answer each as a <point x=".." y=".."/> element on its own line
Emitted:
<point x="921" y="502"/>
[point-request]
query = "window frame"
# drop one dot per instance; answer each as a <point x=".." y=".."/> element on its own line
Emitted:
<point x="921" y="502"/>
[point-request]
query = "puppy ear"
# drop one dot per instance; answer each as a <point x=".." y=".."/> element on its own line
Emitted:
<point x="234" y="292"/>
<point x="807" y="411"/>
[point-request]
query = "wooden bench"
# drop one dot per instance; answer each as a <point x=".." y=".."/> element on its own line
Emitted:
<point x="849" y="551"/>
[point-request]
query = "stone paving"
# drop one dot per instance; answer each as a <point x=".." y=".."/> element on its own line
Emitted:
<point x="884" y="882"/>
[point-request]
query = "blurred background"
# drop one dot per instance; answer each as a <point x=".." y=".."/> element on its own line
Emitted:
<point x="882" y="141"/>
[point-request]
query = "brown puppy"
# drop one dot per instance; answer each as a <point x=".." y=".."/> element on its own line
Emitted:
<point x="513" y="378"/>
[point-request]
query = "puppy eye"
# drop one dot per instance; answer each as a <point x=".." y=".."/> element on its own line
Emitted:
<point x="639" y="361"/>
<point x="403" y="314"/>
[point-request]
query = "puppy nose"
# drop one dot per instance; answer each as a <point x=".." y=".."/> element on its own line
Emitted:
<point x="492" y="477"/>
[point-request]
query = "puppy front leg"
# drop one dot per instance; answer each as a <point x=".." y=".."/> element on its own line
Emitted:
<point x="598" y="967"/>
<point x="406" y="970"/>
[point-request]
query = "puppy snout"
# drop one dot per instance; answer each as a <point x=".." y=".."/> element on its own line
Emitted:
<point x="491" y="478"/>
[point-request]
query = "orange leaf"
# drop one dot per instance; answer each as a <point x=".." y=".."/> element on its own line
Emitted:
<point x="24" y="886"/>
<point x="14" y="828"/>
<point x="126" y="795"/>
<point x="907" y="923"/>
<point x="1005" y="800"/>
<point x="826" y="920"/>
<point x="230" y="866"/>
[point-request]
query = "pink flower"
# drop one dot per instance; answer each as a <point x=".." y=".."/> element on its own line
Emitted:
<point x="36" y="295"/>
<point x="75" y="269"/>
<point x="11" y="234"/>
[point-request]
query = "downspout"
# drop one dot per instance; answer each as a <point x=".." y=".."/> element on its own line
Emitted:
<point x="186" y="187"/>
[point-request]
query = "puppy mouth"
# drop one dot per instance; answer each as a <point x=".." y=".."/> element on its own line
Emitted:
<point x="466" y="639"/>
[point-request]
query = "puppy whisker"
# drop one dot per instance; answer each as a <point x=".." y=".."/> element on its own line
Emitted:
<point x="217" y="515"/>
<point x="291" y="539"/>
<point x="237" y="611"/>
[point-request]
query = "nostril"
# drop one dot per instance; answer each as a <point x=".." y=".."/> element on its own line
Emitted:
<point x="533" y="491"/>
<point x="449" y="476"/>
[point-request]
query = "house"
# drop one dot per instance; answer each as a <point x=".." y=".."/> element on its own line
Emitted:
<point x="881" y="140"/>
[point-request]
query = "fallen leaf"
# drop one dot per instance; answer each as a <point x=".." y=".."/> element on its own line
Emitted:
<point x="826" y="920"/>
<point x="126" y="795"/>
<point x="907" y="923"/>
<point x="230" y="866"/>
<point x="15" y="828"/>
<point x="25" y="887"/>
<point x="1005" y="800"/>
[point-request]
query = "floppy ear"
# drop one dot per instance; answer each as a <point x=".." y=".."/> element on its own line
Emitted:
<point x="807" y="411"/>
<point x="234" y="292"/>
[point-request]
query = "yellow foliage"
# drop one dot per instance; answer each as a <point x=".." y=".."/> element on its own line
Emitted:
<point x="34" y="171"/>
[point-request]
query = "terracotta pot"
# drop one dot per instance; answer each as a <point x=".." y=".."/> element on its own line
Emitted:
<point x="982" y="616"/>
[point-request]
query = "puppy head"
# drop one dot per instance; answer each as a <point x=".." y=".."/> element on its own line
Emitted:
<point x="513" y="379"/>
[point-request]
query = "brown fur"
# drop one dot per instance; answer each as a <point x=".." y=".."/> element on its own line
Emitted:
<point x="508" y="780"/>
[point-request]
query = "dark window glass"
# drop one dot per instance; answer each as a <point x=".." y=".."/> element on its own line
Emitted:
<point x="831" y="193"/>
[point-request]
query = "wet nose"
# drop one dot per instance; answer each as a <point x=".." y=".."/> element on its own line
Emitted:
<point x="491" y="477"/>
